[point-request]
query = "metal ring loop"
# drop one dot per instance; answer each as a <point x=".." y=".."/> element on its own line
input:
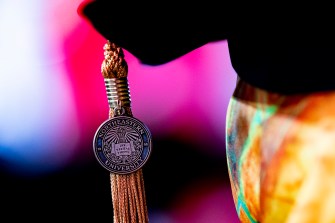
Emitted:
<point x="118" y="111"/>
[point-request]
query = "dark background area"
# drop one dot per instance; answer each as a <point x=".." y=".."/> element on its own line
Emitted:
<point x="81" y="191"/>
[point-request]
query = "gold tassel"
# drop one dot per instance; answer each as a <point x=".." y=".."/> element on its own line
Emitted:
<point x="127" y="189"/>
<point x="129" y="198"/>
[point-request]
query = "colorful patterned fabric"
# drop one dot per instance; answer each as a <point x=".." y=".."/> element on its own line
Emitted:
<point x="281" y="156"/>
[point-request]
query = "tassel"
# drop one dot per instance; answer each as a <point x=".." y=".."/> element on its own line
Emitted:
<point x="122" y="144"/>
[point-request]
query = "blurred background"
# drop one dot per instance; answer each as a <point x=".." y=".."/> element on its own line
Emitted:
<point x="52" y="100"/>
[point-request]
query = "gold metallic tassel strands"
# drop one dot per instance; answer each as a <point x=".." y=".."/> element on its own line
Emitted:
<point x="122" y="144"/>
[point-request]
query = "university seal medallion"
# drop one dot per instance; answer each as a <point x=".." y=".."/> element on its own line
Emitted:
<point x="122" y="144"/>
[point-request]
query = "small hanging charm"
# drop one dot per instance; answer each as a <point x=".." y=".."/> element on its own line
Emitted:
<point x="122" y="144"/>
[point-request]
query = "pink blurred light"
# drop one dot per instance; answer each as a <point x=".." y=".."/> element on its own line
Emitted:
<point x="186" y="98"/>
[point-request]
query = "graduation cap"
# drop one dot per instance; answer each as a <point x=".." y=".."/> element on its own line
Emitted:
<point x="276" y="50"/>
<point x="156" y="33"/>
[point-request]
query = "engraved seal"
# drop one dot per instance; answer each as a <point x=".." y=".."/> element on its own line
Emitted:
<point x="122" y="144"/>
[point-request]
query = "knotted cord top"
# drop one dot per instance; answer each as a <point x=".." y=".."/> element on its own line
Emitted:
<point x="114" y="64"/>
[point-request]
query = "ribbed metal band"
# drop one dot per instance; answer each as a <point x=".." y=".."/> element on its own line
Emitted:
<point x="118" y="94"/>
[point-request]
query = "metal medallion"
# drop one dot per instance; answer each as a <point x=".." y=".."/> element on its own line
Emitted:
<point x="122" y="144"/>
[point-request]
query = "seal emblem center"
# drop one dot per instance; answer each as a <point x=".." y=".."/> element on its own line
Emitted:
<point x="122" y="144"/>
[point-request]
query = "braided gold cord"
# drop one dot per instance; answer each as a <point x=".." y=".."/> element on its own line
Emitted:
<point x="127" y="190"/>
<point x="114" y="64"/>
